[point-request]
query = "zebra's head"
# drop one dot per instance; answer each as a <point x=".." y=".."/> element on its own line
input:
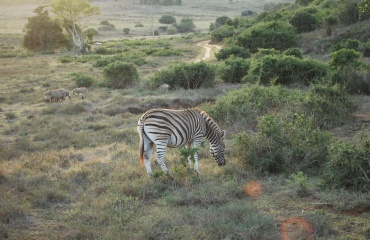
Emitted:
<point x="217" y="148"/>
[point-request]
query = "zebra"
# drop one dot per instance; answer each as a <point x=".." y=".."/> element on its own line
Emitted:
<point x="175" y="128"/>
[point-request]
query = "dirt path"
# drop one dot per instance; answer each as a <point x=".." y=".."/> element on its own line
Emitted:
<point x="210" y="51"/>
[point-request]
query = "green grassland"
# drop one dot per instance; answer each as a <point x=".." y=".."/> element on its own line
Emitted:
<point x="70" y="169"/>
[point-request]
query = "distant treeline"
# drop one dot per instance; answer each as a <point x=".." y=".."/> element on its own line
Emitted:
<point x="161" y="2"/>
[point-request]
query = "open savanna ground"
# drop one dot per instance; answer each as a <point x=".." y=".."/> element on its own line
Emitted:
<point x="70" y="169"/>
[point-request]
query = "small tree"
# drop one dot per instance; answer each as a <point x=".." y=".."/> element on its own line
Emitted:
<point x="329" y="22"/>
<point x="234" y="69"/>
<point x="167" y="19"/>
<point x="42" y="33"/>
<point x="70" y="12"/>
<point x="126" y="31"/>
<point x="120" y="74"/>
<point x="186" y="25"/>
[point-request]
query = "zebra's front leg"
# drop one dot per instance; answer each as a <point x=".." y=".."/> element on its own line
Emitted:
<point x="196" y="163"/>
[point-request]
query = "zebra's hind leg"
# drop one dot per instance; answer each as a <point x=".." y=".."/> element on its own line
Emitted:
<point x="148" y="147"/>
<point x="161" y="151"/>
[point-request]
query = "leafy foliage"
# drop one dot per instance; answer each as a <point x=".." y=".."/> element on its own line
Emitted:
<point x="237" y="51"/>
<point x="233" y="69"/>
<point x="83" y="80"/>
<point x="186" y="25"/>
<point x="283" y="69"/>
<point x="167" y="19"/>
<point x="284" y="144"/>
<point x="225" y="31"/>
<point x="120" y="74"/>
<point x="278" y="35"/>
<point x="42" y="33"/>
<point x="348" y="165"/>
<point x="304" y="21"/>
<point x="187" y="76"/>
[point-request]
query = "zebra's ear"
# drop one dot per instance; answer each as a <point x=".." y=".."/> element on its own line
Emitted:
<point x="222" y="134"/>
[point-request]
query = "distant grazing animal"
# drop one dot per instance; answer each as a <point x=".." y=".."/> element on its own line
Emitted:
<point x="79" y="90"/>
<point x="175" y="128"/>
<point x="164" y="87"/>
<point x="56" y="94"/>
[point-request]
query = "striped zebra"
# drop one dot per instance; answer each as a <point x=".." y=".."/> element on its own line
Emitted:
<point x="175" y="128"/>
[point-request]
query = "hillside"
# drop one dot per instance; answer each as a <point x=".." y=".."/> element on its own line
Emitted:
<point x="70" y="169"/>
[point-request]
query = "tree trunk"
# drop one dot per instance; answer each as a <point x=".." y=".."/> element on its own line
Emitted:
<point x="78" y="42"/>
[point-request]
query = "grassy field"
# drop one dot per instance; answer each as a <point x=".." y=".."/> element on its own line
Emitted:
<point x="70" y="170"/>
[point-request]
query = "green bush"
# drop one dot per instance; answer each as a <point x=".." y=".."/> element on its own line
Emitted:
<point x="277" y="34"/>
<point x="348" y="165"/>
<point x="282" y="69"/>
<point x="120" y="74"/>
<point x="187" y="76"/>
<point x="222" y="32"/>
<point x="295" y="52"/>
<point x="344" y="58"/>
<point x="284" y="144"/>
<point x="83" y="80"/>
<point x="42" y="33"/>
<point x="349" y="12"/>
<point x="327" y="105"/>
<point x="237" y="51"/>
<point x="349" y="44"/>
<point x="186" y="25"/>
<point x="233" y="69"/>
<point x="167" y="19"/>
<point x="304" y="21"/>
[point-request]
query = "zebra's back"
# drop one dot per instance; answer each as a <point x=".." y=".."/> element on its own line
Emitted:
<point x="177" y="127"/>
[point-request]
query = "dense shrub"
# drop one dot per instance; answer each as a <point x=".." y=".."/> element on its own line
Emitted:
<point x="284" y="144"/>
<point x="304" y="21"/>
<point x="233" y="69"/>
<point x="350" y="71"/>
<point x="126" y="31"/>
<point x="167" y="19"/>
<point x="187" y="76"/>
<point x="282" y="69"/>
<point x="221" y="21"/>
<point x="82" y="80"/>
<point x="237" y="51"/>
<point x="222" y="32"/>
<point x="349" y="44"/>
<point x="327" y="105"/>
<point x="42" y="33"/>
<point x="349" y="12"/>
<point x="186" y="25"/>
<point x="120" y="74"/>
<point x="278" y="35"/>
<point x="295" y="52"/>
<point x="348" y="165"/>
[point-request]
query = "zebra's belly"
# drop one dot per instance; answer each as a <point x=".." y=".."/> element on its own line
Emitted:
<point x="174" y="142"/>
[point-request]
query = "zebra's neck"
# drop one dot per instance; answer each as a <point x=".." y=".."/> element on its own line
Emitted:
<point x="211" y="128"/>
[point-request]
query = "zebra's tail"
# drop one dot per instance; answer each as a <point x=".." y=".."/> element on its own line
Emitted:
<point x="141" y="145"/>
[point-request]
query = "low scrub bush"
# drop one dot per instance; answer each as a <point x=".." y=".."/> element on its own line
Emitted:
<point x="187" y="76"/>
<point x="276" y="34"/>
<point x="82" y="80"/>
<point x="237" y="51"/>
<point x="120" y="74"/>
<point x="233" y="69"/>
<point x="349" y="70"/>
<point x="283" y="69"/>
<point x="304" y="21"/>
<point x="327" y="105"/>
<point x="284" y="144"/>
<point x="348" y="165"/>
<point x="295" y="52"/>
<point x="222" y="32"/>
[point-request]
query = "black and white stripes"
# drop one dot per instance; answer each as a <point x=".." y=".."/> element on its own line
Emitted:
<point x="175" y="128"/>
